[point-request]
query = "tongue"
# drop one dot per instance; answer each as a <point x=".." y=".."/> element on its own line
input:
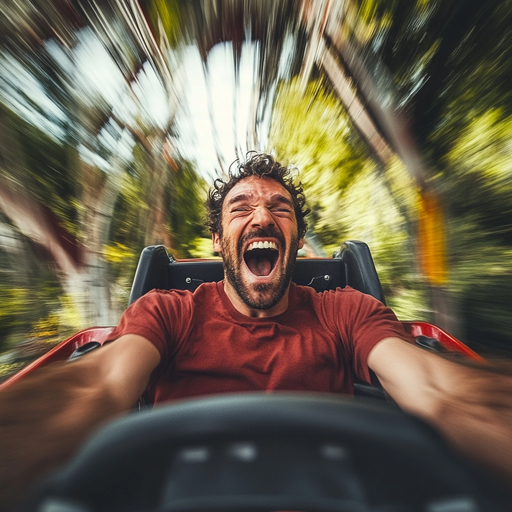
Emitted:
<point x="259" y="266"/>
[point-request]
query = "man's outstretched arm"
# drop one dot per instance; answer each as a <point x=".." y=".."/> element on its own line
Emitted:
<point x="46" y="416"/>
<point x="471" y="407"/>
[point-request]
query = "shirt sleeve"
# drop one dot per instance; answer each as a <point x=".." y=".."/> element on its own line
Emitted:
<point x="163" y="317"/>
<point x="364" y="321"/>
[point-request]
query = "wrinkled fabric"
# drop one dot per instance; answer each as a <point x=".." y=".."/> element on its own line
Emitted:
<point x="321" y="343"/>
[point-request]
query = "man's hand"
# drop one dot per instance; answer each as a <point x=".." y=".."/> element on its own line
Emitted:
<point x="471" y="407"/>
<point x="46" y="416"/>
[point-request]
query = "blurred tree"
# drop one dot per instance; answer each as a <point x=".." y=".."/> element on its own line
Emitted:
<point x="180" y="220"/>
<point x="59" y="186"/>
<point x="441" y="68"/>
<point x="447" y="65"/>
<point x="350" y="198"/>
<point x="187" y="211"/>
<point x="310" y="130"/>
<point x="480" y="189"/>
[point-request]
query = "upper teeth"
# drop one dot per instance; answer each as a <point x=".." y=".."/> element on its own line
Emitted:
<point x="262" y="245"/>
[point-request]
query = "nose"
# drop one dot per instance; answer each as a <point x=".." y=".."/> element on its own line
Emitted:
<point x="262" y="218"/>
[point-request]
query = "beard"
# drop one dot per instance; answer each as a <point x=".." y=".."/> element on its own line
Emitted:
<point x="265" y="295"/>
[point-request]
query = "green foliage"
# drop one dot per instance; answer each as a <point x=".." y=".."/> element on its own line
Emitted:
<point x="311" y="131"/>
<point x="126" y="239"/>
<point x="448" y="61"/>
<point x="486" y="312"/>
<point x="165" y="15"/>
<point x="24" y="334"/>
<point x="311" y="128"/>
<point x="349" y="199"/>
<point x="48" y="174"/>
<point x="9" y="368"/>
<point x="34" y="306"/>
<point x="126" y="225"/>
<point x="201" y="248"/>
<point x="449" y="67"/>
<point x="185" y="192"/>
<point x="13" y="313"/>
<point x="372" y="214"/>
<point x="479" y="184"/>
<point x="122" y="262"/>
<point x="118" y="253"/>
<point x="482" y="281"/>
<point x="480" y="176"/>
<point x="187" y="209"/>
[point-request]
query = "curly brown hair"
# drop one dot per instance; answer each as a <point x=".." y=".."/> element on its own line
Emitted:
<point x="264" y="166"/>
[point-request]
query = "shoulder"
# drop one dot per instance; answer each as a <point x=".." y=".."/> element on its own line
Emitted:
<point x="341" y="304"/>
<point x="338" y="296"/>
<point x="178" y="296"/>
<point x="160" y="300"/>
<point x="358" y="304"/>
<point x="172" y="304"/>
<point x="347" y="307"/>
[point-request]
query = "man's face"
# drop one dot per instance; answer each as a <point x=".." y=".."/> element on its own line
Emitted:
<point x="259" y="241"/>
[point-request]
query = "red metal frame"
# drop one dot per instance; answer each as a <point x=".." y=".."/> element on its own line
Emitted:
<point x="62" y="351"/>
<point x="447" y="340"/>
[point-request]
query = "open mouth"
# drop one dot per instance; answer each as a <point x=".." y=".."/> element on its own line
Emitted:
<point x="261" y="257"/>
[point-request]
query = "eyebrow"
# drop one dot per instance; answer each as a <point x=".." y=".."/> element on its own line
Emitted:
<point x="236" y="199"/>
<point x="275" y="198"/>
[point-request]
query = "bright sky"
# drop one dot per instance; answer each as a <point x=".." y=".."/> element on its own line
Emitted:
<point x="214" y="109"/>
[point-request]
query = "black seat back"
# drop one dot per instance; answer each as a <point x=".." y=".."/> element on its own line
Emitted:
<point x="351" y="266"/>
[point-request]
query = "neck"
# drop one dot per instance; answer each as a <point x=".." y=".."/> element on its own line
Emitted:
<point x="246" y="310"/>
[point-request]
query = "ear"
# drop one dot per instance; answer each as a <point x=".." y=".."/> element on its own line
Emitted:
<point x="217" y="246"/>
<point x="301" y="243"/>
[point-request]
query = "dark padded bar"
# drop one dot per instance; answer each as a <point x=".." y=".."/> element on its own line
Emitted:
<point x="360" y="270"/>
<point x="152" y="271"/>
<point x="188" y="275"/>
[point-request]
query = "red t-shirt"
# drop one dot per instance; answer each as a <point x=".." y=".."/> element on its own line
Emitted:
<point x="321" y="343"/>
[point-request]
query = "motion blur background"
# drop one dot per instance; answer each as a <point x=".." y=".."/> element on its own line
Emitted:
<point x="116" y="116"/>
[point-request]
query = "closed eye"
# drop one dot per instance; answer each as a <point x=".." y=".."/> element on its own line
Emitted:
<point x="240" y="211"/>
<point x="282" y="209"/>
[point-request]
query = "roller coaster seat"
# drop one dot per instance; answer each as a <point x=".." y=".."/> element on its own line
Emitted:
<point x="351" y="266"/>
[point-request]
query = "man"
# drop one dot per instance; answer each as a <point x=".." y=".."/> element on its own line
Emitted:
<point x="253" y="331"/>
